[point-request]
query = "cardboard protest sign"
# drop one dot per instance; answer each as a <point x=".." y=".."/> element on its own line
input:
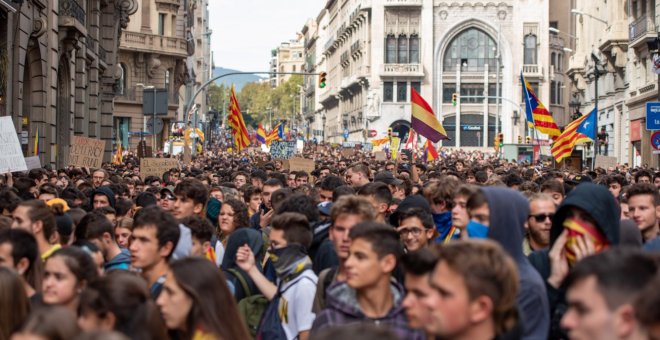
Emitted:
<point x="301" y="164"/>
<point x="380" y="155"/>
<point x="348" y="152"/>
<point x="605" y="162"/>
<point x="86" y="152"/>
<point x="11" y="155"/>
<point x="33" y="162"/>
<point x="156" y="166"/>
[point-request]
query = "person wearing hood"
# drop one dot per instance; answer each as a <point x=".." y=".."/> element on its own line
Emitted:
<point x="369" y="295"/>
<point x="586" y="222"/>
<point x="499" y="214"/>
<point x="440" y="196"/>
<point x="243" y="285"/>
<point x="103" y="197"/>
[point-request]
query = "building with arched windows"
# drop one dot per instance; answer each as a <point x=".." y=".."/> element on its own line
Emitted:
<point x="375" y="51"/>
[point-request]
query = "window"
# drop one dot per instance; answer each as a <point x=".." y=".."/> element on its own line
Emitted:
<point x="472" y="93"/>
<point x="530" y="50"/>
<point x="472" y="49"/>
<point x="294" y="68"/>
<point x="447" y="91"/>
<point x="417" y="86"/>
<point x="388" y="91"/>
<point x="161" y="23"/>
<point x="173" y="27"/>
<point x="560" y="61"/>
<point x="403" y="50"/>
<point x="553" y="92"/>
<point x="553" y="59"/>
<point x="401" y="91"/>
<point x="414" y="49"/>
<point x="554" y="24"/>
<point x="390" y="52"/>
<point x="492" y="92"/>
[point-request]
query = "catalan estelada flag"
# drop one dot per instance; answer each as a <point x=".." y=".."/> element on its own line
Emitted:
<point x="261" y="134"/>
<point x="275" y="133"/>
<point x="430" y="152"/>
<point x="36" y="143"/>
<point x="423" y="119"/>
<point x="580" y="130"/>
<point x="236" y="122"/>
<point x="537" y="115"/>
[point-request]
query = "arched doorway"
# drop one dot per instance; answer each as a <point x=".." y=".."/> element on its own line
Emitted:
<point x="63" y="117"/>
<point x="400" y="128"/>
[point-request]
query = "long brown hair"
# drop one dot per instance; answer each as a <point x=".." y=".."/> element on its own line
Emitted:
<point x="206" y="285"/>
<point x="14" y="305"/>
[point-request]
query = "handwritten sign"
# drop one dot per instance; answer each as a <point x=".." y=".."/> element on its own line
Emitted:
<point x="380" y="155"/>
<point x="301" y="164"/>
<point x="156" y="166"/>
<point x="33" y="162"/>
<point x="11" y="155"/>
<point x="282" y="150"/>
<point x="86" y="152"/>
<point x="605" y="162"/>
<point x="348" y="152"/>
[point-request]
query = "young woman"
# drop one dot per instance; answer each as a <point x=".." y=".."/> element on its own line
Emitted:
<point x="196" y="303"/>
<point x="52" y="323"/>
<point x="67" y="272"/>
<point x="233" y="215"/>
<point x="14" y="304"/>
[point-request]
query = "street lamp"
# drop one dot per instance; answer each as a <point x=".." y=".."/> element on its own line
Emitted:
<point x="575" y="105"/>
<point x="153" y="122"/>
<point x="578" y="12"/>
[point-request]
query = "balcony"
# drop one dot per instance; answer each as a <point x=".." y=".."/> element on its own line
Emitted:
<point x="402" y="70"/>
<point x="640" y="31"/>
<point x="72" y="14"/>
<point x="134" y="96"/>
<point x="403" y="2"/>
<point x="532" y="71"/>
<point x="556" y="42"/>
<point x="150" y="43"/>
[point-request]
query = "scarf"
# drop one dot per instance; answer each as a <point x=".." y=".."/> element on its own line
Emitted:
<point x="576" y="228"/>
<point x="290" y="261"/>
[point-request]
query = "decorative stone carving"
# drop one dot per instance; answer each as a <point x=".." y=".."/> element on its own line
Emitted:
<point x="39" y="27"/>
<point x="501" y="15"/>
<point x="443" y="15"/>
<point x="125" y="8"/>
<point x="153" y="64"/>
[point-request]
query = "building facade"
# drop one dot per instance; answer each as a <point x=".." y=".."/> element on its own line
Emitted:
<point x="288" y="57"/>
<point x="199" y="64"/>
<point x="375" y="51"/>
<point x="59" y="71"/>
<point x="153" y="54"/>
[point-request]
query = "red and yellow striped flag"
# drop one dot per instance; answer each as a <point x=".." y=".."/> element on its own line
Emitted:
<point x="236" y="122"/>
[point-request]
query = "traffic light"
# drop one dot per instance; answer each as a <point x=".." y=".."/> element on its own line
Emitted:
<point x="528" y="140"/>
<point x="519" y="139"/>
<point x="500" y="137"/>
<point x="454" y="99"/>
<point x="389" y="133"/>
<point x="322" y="77"/>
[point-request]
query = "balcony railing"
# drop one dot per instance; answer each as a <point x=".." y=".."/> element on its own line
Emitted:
<point x="71" y="8"/>
<point x="402" y="70"/>
<point x="403" y="2"/>
<point x="149" y="43"/>
<point x="532" y="70"/>
<point x="135" y="95"/>
<point x="640" y="27"/>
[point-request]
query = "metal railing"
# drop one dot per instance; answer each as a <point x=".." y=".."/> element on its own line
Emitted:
<point x="641" y="26"/>
<point x="71" y="8"/>
<point x="403" y="2"/>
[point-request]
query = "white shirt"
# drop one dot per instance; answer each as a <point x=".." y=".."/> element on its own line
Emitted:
<point x="296" y="304"/>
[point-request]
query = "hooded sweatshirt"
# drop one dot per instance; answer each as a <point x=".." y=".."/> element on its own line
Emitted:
<point x="106" y="191"/>
<point x="508" y="212"/>
<point x="342" y="309"/>
<point x="121" y="261"/>
<point x="237" y="239"/>
<point x="599" y="203"/>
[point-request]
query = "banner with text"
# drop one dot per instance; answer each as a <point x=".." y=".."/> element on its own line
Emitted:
<point x="11" y="155"/>
<point x="86" y="152"/>
<point x="282" y="149"/>
<point x="156" y="166"/>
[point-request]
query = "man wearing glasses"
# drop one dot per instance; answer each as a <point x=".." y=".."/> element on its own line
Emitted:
<point x="541" y="210"/>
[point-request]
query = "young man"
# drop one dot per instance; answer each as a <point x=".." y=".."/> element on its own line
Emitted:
<point x="167" y="198"/>
<point x="47" y="192"/>
<point x="202" y="232"/>
<point x="262" y="219"/>
<point x="380" y="197"/>
<point x="191" y="196"/>
<point x="369" y="295"/>
<point x="19" y="251"/>
<point x="302" y="178"/>
<point x="416" y="228"/>
<point x="102" y="235"/>
<point x="98" y="176"/>
<point x="555" y="189"/>
<point x="291" y="300"/>
<point x="541" y="210"/>
<point x="394" y="184"/>
<point x="347" y="212"/>
<point x="459" y="214"/>
<point x="36" y="217"/>
<point x="357" y="175"/>
<point x="240" y="179"/>
<point x="103" y="197"/>
<point x="252" y="198"/>
<point x="155" y="235"/>
<point x="615" y="183"/>
<point x="643" y="176"/>
<point x="474" y="292"/>
<point x="644" y="208"/>
<point x="440" y="196"/>
<point x="601" y="293"/>
<point x="418" y="266"/>
<point x="327" y="186"/>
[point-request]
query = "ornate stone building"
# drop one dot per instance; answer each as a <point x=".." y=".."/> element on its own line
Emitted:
<point x="153" y="54"/>
<point x="59" y="70"/>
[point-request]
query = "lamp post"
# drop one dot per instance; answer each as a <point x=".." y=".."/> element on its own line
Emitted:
<point x="596" y="72"/>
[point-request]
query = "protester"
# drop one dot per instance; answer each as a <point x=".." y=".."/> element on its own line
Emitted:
<point x="36" y="217"/>
<point x="418" y="266"/>
<point x="542" y="209"/>
<point x="14" y="303"/>
<point x="18" y="251"/>
<point x="67" y="272"/>
<point x="644" y="209"/>
<point x="416" y="229"/>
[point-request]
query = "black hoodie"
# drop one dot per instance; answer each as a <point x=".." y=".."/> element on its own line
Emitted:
<point x="508" y="212"/>
<point x="599" y="203"/>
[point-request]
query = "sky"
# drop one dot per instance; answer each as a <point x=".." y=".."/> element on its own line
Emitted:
<point x="245" y="31"/>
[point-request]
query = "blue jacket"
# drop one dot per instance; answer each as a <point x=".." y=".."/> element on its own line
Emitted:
<point x="121" y="261"/>
<point x="442" y="223"/>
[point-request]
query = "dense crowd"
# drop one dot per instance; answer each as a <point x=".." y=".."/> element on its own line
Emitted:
<point x="238" y="246"/>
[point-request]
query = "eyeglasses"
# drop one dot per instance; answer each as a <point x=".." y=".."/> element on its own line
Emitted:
<point x="414" y="231"/>
<point x="541" y="217"/>
<point x="168" y="197"/>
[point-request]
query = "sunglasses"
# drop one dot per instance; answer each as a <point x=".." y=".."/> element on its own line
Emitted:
<point x="541" y="217"/>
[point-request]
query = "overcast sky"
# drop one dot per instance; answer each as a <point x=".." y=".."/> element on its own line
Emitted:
<point x="245" y="31"/>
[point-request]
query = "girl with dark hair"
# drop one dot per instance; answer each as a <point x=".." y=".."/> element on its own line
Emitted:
<point x="233" y="215"/>
<point x="14" y="304"/>
<point x="196" y="303"/>
<point x="67" y="272"/>
<point x="121" y="302"/>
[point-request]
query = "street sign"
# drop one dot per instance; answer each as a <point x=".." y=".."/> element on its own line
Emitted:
<point x="653" y="116"/>
<point x="345" y="133"/>
<point x="655" y="140"/>
<point x="159" y="125"/>
<point x="373" y="133"/>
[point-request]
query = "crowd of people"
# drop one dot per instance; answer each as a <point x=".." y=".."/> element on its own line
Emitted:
<point x="238" y="246"/>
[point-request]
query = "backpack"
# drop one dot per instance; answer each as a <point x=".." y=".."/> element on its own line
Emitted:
<point x="270" y="325"/>
<point x="251" y="310"/>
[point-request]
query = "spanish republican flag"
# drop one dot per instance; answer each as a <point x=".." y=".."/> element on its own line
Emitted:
<point x="423" y="119"/>
<point x="261" y="134"/>
<point x="537" y="115"/>
<point x="236" y="122"/>
<point x="580" y="130"/>
<point x="430" y="152"/>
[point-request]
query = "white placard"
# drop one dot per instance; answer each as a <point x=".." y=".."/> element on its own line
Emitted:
<point x="11" y="155"/>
